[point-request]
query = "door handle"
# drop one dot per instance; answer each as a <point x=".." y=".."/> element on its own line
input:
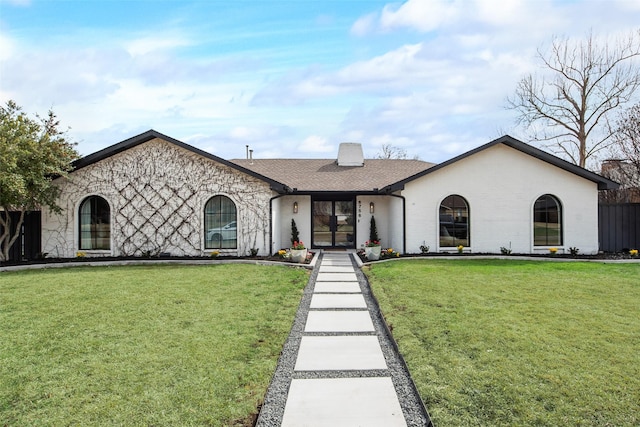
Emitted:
<point x="333" y="223"/>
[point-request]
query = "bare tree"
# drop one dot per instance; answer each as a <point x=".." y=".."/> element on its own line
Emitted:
<point x="627" y="137"/>
<point x="388" y="151"/>
<point x="569" y="107"/>
<point x="624" y="166"/>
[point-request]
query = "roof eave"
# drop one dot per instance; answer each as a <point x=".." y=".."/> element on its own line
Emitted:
<point x="152" y="134"/>
<point x="308" y="192"/>
<point x="602" y="182"/>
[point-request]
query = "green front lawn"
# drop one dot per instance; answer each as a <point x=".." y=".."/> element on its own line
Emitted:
<point x="505" y="343"/>
<point x="160" y="345"/>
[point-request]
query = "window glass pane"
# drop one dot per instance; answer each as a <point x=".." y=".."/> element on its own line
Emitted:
<point x="322" y="212"/>
<point x="454" y="221"/>
<point x="85" y="225"/>
<point x="95" y="226"/>
<point x="547" y="222"/>
<point x="343" y="235"/>
<point x="220" y="223"/>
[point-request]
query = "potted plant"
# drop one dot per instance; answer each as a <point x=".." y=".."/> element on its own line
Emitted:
<point x="298" y="252"/>
<point x="372" y="250"/>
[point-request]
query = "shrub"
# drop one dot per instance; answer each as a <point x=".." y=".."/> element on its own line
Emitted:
<point x="373" y="231"/>
<point x="295" y="235"/>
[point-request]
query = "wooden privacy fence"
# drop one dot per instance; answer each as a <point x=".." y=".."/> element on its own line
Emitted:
<point x="619" y="227"/>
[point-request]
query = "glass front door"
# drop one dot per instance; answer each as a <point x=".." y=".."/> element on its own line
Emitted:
<point x="333" y="224"/>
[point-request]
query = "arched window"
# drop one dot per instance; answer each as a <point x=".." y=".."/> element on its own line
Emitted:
<point x="454" y="221"/>
<point x="547" y="221"/>
<point x="220" y="223"/>
<point x="95" y="223"/>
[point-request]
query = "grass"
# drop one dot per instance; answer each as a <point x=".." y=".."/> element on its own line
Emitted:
<point x="504" y="343"/>
<point x="161" y="345"/>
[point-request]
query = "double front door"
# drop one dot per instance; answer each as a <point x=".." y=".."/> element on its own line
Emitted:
<point x="333" y="224"/>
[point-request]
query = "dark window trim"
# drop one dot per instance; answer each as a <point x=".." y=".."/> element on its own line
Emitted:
<point x="455" y="228"/>
<point x="560" y="222"/>
<point x="219" y="243"/>
<point x="93" y="232"/>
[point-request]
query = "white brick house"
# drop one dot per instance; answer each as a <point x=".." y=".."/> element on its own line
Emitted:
<point x="147" y="195"/>
<point x="152" y="194"/>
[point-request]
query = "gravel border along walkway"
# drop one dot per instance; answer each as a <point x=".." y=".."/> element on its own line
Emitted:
<point x="272" y="410"/>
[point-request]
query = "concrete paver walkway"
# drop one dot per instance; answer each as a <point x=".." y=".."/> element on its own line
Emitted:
<point x="339" y="366"/>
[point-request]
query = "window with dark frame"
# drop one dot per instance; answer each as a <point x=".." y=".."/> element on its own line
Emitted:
<point x="547" y="221"/>
<point x="220" y="223"/>
<point x="95" y="224"/>
<point x="454" y="222"/>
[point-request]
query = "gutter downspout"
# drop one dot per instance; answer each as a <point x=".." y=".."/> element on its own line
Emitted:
<point x="404" y="221"/>
<point x="271" y="221"/>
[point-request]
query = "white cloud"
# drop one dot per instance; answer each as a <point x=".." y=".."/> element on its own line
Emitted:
<point x="631" y="5"/>
<point x="316" y="144"/>
<point x="504" y="11"/>
<point x="43" y="78"/>
<point x="364" y="25"/>
<point x="396" y="69"/>
<point x="390" y="139"/>
<point x="403" y="62"/>
<point x="145" y="45"/>
<point x="421" y="15"/>
<point x="458" y="17"/>
<point x="258" y="133"/>
<point x="428" y="75"/>
<point x="6" y="47"/>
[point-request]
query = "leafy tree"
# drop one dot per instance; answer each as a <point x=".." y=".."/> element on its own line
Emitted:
<point x="33" y="151"/>
<point x="569" y="107"/>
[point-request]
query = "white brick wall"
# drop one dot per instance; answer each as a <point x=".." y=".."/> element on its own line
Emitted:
<point x="501" y="185"/>
<point x="157" y="192"/>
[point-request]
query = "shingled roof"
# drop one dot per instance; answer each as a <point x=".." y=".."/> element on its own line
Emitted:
<point x="324" y="175"/>
<point x="152" y="134"/>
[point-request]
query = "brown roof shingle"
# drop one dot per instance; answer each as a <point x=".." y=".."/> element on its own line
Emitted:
<point x="325" y="175"/>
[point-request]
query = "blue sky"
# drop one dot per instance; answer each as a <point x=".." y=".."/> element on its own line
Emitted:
<point x="288" y="78"/>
